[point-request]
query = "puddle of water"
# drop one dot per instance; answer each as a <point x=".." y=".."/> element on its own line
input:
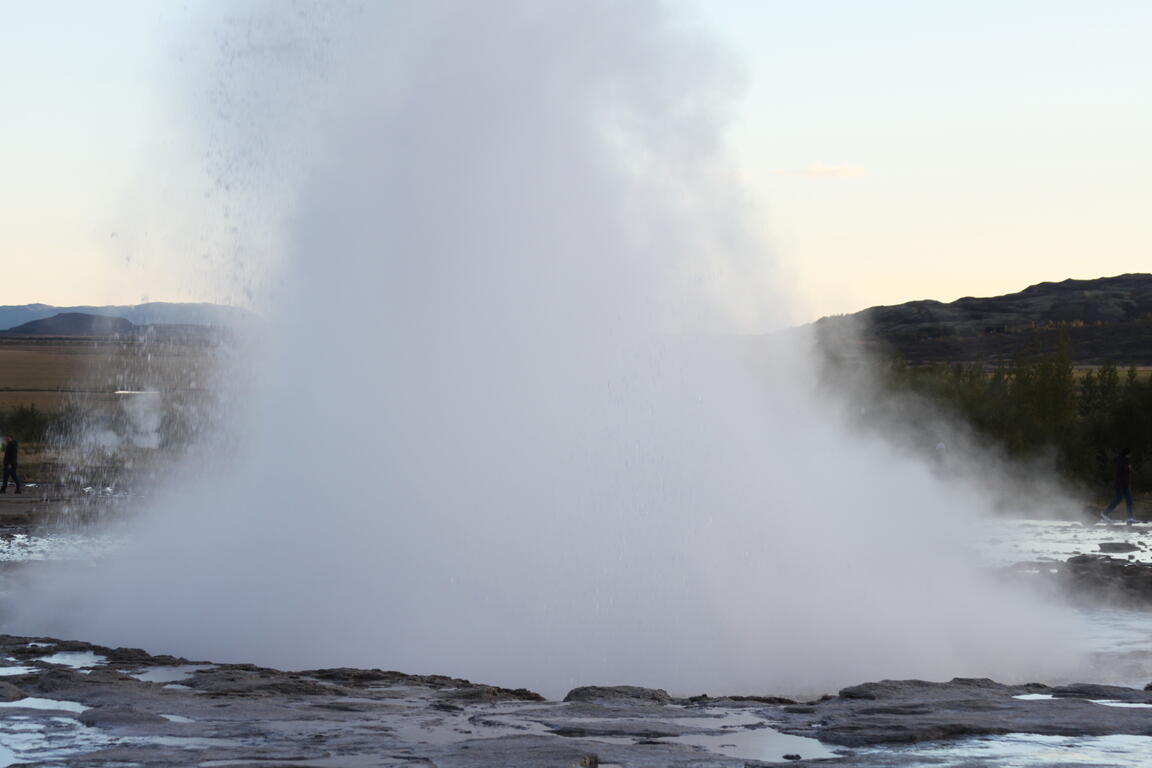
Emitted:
<point x="341" y="761"/>
<point x="56" y="739"/>
<point x="452" y="730"/>
<point x="75" y="659"/>
<point x="624" y="741"/>
<point x="8" y="671"/>
<point x="448" y="728"/>
<point x="1118" y="641"/>
<point x="1007" y="541"/>
<point x="177" y="687"/>
<point x="177" y="719"/>
<point x="765" y="744"/>
<point x="743" y="736"/>
<point x="57" y="546"/>
<point x="168" y="674"/>
<point x="1105" y="702"/>
<point x="59" y="739"/>
<point x="187" y="742"/>
<point x="1025" y="750"/>
<point x="737" y="735"/>
<point x="50" y="704"/>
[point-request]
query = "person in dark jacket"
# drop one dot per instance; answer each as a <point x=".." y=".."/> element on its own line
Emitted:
<point x="11" y="460"/>
<point x="1122" y="482"/>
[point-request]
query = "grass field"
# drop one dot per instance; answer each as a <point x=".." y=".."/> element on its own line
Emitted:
<point x="74" y="384"/>
<point x="50" y="373"/>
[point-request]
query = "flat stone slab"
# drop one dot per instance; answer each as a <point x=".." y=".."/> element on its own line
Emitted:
<point x="86" y="706"/>
<point x="909" y="711"/>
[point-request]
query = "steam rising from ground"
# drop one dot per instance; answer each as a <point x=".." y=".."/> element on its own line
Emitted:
<point x="506" y="428"/>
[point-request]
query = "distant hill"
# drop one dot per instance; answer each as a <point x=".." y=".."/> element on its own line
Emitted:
<point x="1109" y="318"/>
<point x="76" y="324"/>
<point x="72" y="324"/>
<point x="152" y="313"/>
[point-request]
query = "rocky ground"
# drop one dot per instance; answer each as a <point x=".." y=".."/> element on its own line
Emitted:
<point x="82" y="705"/>
<point x="55" y="506"/>
<point x="76" y="704"/>
<point x="1095" y="564"/>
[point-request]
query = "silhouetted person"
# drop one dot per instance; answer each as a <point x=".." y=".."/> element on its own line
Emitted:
<point x="11" y="460"/>
<point x="1122" y="471"/>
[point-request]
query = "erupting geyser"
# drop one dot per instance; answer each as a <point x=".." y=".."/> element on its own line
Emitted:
<point x="506" y="427"/>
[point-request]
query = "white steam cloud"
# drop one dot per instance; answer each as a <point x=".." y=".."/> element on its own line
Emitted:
<point x="505" y="428"/>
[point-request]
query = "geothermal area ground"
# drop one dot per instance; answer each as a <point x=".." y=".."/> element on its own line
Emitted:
<point x="66" y="702"/>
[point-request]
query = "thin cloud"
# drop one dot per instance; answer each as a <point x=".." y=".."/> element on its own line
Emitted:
<point x="821" y="171"/>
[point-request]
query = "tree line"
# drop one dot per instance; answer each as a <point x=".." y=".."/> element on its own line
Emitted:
<point x="1043" y="405"/>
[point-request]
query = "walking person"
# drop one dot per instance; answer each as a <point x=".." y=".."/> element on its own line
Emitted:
<point x="11" y="459"/>
<point x="1122" y="472"/>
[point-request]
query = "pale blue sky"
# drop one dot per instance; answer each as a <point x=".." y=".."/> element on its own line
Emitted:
<point x="995" y="144"/>
<point x="896" y="150"/>
<point x="83" y="111"/>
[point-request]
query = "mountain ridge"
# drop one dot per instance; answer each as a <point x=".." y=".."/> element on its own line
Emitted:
<point x="79" y="324"/>
<point x="1101" y="319"/>
<point x="148" y="313"/>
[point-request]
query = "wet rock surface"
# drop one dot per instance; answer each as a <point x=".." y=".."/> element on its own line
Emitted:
<point x="1118" y="546"/>
<point x="618" y="693"/>
<point x="82" y="705"/>
<point x="1096" y="579"/>
<point x="905" y="711"/>
<point x="42" y="506"/>
<point x="1087" y="563"/>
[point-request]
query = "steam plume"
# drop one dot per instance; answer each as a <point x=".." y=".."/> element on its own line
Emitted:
<point x="506" y="428"/>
